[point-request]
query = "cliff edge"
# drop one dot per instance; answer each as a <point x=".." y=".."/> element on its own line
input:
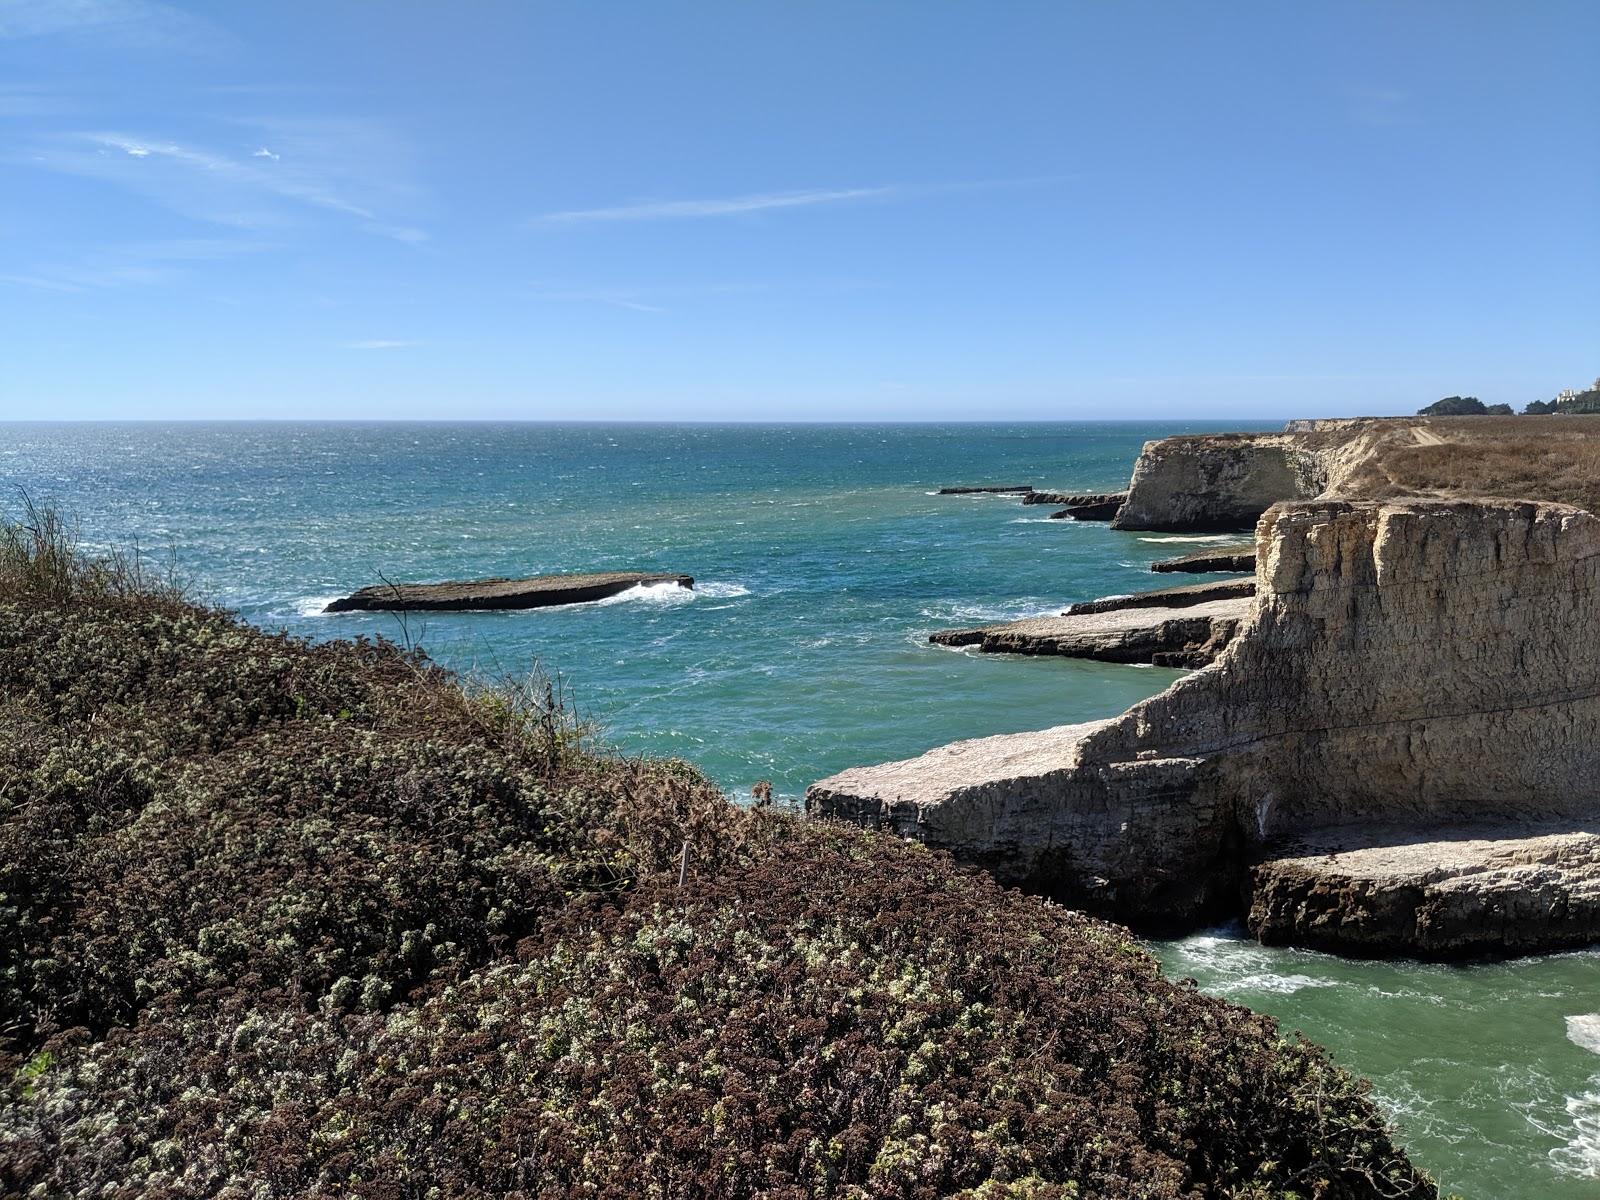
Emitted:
<point x="1411" y="664"/>
<point x="1225" y="481"/>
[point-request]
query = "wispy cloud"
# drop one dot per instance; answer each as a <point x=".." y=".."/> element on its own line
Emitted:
<point x="135" y="265"/>
<point x="380" y="344"/>
<point x="732" y="206"/>
<point x="675" y="210"/>
<point x="344" y="168"/>
<point x="627" y="300"/>
<point x="124" y="23"/>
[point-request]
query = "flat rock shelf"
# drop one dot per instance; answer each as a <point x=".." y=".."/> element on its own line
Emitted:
<point x="1241" y="559"/>
<point x="1188" y="636"/>
<point x="541" y="591"/>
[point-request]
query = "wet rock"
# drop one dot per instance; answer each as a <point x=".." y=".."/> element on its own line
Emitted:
<point x="1239" y="558"/>
<point x="541" y="591"/>
<point x="972" y="491"/>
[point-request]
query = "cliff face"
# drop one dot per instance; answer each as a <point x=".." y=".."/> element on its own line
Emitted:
<point x="1223" y="482"/>
<point x="1412" y="663"/>
<point x="1227" y="481"/>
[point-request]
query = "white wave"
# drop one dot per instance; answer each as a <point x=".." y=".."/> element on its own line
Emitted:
<point x="1231" y="965"/>
<point x="313" y="606"/>
<point x="1197" y="537"/>
<point x="1580" y="1155"/>
<point x="1015" y="611"/>
<point x="1063" y="522"/>
<point x="665" y="593"/>
<point x="719" y="590"/>
<point x="1584" y="1030"/>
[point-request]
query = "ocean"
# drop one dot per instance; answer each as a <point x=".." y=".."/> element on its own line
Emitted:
<point x="822" y="560"/>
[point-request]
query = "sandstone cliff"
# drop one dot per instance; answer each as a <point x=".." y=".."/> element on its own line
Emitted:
<point x="1410" y="664"/>
<point x="1226" y="481"/>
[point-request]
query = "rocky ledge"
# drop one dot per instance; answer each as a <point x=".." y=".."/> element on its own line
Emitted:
<point x="1432" y="893"/>
<point x="974" y="491"/>
<point x="1075" y="499"/>
<point x="541" y="591"/>
<point x="1415" y="665"/>
<point x="1241" y="558"/>
<point x="1180" y="635"/>
<point x="1090" y="508"/>
<point x="1173" y="597"/>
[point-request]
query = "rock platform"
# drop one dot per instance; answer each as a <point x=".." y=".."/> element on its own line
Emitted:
<point x="540" y="591"/>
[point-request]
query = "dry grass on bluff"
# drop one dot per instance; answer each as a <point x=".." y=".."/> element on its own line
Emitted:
<point x="281" y="920"/>
<point x="1529" y="457"/>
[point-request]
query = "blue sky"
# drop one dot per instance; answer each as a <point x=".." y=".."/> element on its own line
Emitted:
<point x="761" y="210"/>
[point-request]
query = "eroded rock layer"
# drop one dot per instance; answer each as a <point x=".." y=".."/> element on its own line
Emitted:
<point x="1183" y="635"/>
<point x="1416" y="663"/>
<point x="1432" y="893"/>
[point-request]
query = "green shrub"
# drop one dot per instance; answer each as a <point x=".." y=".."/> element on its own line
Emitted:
<point x="282" y="919"/>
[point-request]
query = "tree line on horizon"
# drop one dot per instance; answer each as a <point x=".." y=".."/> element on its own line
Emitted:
<point x="1587" y="401"/>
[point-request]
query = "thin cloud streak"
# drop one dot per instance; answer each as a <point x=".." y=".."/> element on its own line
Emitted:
<point x="136" y="265"/>
<point x="673" y="210"/>
<point x="625" y="300"/>
<point x="136" y="24"/>
<point x="732" y="206"/>
<point x="222" y="189"/>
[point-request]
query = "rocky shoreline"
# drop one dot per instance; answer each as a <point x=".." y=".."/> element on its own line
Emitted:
<point x="1394" y="749"/>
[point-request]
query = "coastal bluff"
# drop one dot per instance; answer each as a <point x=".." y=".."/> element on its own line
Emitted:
<point x="540" y="591"/>
<point x="1214" y="482"/>
<point x="1411" y="665"/>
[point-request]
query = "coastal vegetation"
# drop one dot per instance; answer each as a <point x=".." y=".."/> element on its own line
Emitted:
<point x="294" y="919"/>
<point x="1464" y="406"/>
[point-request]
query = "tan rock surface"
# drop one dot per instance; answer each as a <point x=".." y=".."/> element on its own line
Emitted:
<point x="1419" y="663"/>
<point x="1185" y="636"/>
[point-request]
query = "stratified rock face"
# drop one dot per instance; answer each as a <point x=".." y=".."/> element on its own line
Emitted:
<point x="1417" y="663"/>
<point x="1438" y="893"/>
<point x="1036" y="812"/>
<point x="542" y="591"/>
<point x="1188" y="634"/>
<point x="1217" y="482"/>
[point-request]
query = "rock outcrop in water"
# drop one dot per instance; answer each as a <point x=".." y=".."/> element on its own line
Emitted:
<point x="1073" y="499"/>
<point x="1101" y="508"/>
<point x="1180" y="635"/>
<point x="975" y="491"/>
<point x="1239" y="559"/>
<point x="1411" y="666"/>
<point x="542" y="591"/>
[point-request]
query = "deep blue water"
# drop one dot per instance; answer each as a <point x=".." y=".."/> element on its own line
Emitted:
<point x="823" y="563"/>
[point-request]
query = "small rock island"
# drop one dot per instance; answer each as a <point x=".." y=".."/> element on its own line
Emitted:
<point x="541" y="591"/>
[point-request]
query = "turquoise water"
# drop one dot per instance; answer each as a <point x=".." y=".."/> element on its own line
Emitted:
<point x="822" y="563"/>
